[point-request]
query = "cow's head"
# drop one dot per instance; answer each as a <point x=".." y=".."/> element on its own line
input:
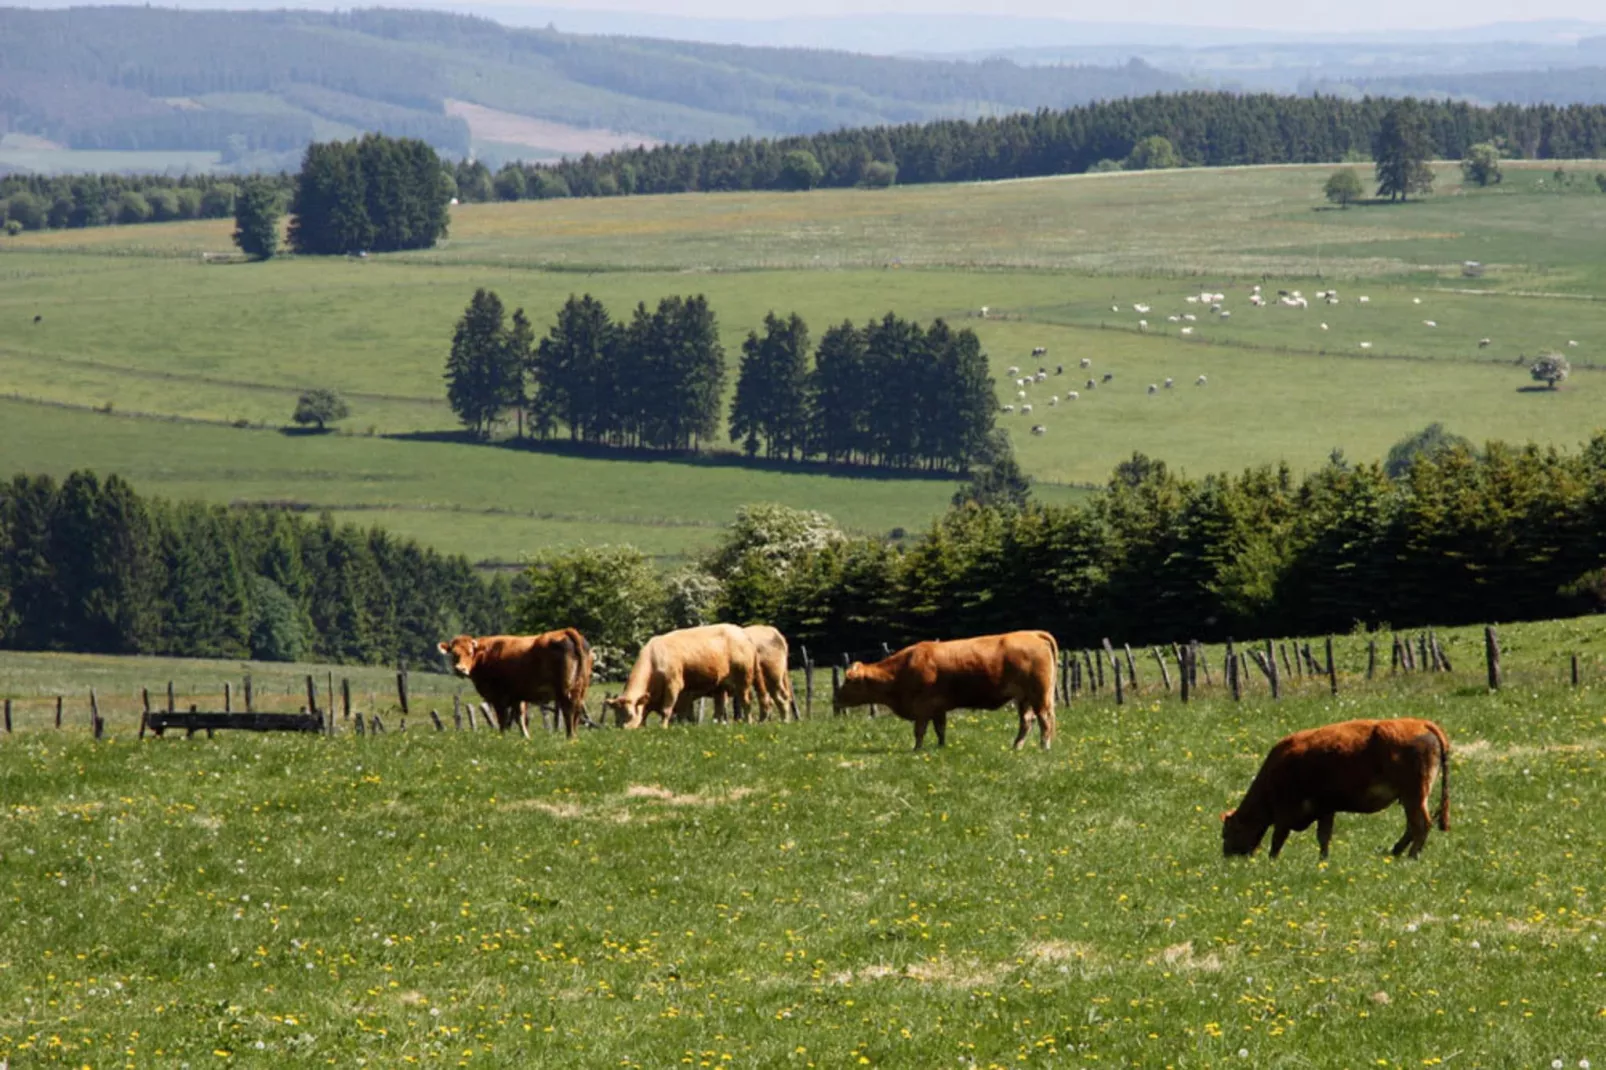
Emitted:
<point x="853" y="690"/>
<point x="625" y="709"/>
<point x="461" y="652"/>
<point x="1239" y="835"/>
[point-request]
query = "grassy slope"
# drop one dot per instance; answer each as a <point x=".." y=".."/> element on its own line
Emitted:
<point x="131" y="317"/>
<point x="806" y="895"/>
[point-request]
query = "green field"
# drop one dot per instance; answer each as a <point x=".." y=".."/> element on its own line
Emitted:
<point x="133" y="320"/>
<point x="804" y="895"/>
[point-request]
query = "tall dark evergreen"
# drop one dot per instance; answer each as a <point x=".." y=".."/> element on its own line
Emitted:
<point x="1402" y="151"/>
<point x="574" y="366"/>
<point x="772" y="389"/>
<point x="839" y="399"/>
<point x="256" y="220"/>
<point x="484" y="375"/>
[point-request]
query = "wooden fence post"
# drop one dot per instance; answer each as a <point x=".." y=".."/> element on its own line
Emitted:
<point x="836" y="685"/>
<point x="1574" y="659"/>
<point x="1131" y="667"/>
<point x="1444" y="659"/>
<point x="345" y="698"/>
<point x="58" y="711"/>
<point x="1288" y="666"/>
<point x="457" y="714"/>
<point x="1491" y="653"/>
<point x="1427" y="658"/>
<point x="1199" y="662"/>
<point x="1371" y="658"/>
<point x="436" y="717"/>
<point x="248" y="693"/>
<point x="144" y="710"/>
<point x="228" y="697"/>
<point x="1065" y="676"/>
<point x="1165" y="674"/>
<point x="359" y="724"/>
<point x="1233" y="683"/>
<point x="329" y="678"/>
<point x="172" y="707"/>
<point x="401" y="689"/>
<point x="8" y="717"/>
<point x="96" y="725"/>
<point x="1332" y="670"/>
<point x="1098" y="663"/>
<point x="1185" y="670"/>
<point x="808" y="683"/>
<point x="1115" y="669"/>
<point x="312" y="695"/>
<point x="1271" y="665"/>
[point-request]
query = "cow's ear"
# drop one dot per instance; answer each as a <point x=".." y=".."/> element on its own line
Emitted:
<point x="441" y="646"/>
<point x="473" y="645"/>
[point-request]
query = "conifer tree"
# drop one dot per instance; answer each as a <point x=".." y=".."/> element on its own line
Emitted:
<point x="484" y="377"/>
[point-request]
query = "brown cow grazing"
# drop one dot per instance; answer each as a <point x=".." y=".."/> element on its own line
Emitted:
<point x="773" y="656"/>
<point x="677" y="668"/>
<point x="921" y="683"/>
<point x="511" y="670"/>
<point x="1355" y="767"/>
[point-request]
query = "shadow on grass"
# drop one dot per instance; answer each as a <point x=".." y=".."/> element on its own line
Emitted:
<point x="710" y="459"/>
<point x="1537" y="390"/>
<point x="305" y="432"/>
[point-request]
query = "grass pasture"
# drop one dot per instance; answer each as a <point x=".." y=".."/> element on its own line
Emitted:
<point x="806" y="895"/>
<point x="132" y="319"/>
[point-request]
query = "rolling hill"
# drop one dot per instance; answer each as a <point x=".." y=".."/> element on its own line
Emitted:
<point x="256" y="86"/>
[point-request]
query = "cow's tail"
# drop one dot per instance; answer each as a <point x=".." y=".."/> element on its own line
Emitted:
<point x="1054" y="668"/>
<point x="580" y="671"/>
<point x="1444" y="777"/>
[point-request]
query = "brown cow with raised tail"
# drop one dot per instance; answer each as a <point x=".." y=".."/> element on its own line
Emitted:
<point x="922" y="683"/>
<point x="1355" y="767"/>
<point x="511" y="670"/>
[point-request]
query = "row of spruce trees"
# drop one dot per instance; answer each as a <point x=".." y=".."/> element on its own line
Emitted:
<point x="1460" y="536"/>
<point x="90" y="565"/>
<point x="1206" y="129"/>
<point x="890" y="393"/>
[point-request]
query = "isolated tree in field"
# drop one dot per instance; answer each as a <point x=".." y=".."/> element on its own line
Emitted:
<point x="320" y="406"/>
<point x="1402" y="152"/>
<point x="375" y="193"/>
<point x="772" y="389"/>
<point x="256" y="220"/>
<point x="484" y="377"/>
<point x="1430" y="442"/>
<point x="1343" y="187"/>
<point x="1482" y="165"/>
<point x="1550" y="369"/>
<point x="1153" y="153"/>
<point x="800" y="170"/>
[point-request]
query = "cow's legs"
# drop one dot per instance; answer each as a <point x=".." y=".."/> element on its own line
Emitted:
<point x="570" y="712"/>
<point x="1324" y="831"/>
<point x="1025" y="723"/>
<point x="522" y="709"/>
<point x="921" y="722"/>
<point x="1045" y="724"/>
<point x="1417" y="824"/>
<point x="1279" y="836"/>
<point x="940" y="723"/>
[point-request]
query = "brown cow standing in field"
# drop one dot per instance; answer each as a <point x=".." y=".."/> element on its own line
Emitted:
<point x="921" y="683"/>
<point x="676" y="668"/>
<point x="511" y="670"/>
<point x="773" y="656"/>
<point x="1355" y="767"/>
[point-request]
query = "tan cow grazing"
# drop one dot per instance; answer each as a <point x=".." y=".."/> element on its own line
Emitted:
<point x="773" y="657"/>
<point x="921" y="683"/>
<point x="1354" y="767"/>
<point x="511" y="670"/>
<point x="677" y="668"/>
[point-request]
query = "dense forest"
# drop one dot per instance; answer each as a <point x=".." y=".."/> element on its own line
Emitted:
<point x="1206" y="130"/>
<point x="380" y="193"/>
<point x="89" y="565"/>
<point x="35" y="202"/>
<point x="1571" y="85"/>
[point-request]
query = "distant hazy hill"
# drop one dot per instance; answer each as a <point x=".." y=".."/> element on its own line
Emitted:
<point x="268" y="82"/>
<point x="1576" y="85"/>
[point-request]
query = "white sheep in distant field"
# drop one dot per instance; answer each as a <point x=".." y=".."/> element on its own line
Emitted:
<point x="1168" y="383"/>
<point x="1115" y="308"/>
<point x="1039" y="429"/>
<point x="1041" y="377"/>
<point x="1186" y="330"/>
<point x="1572" y="343"/>
<point x="1226" y="315"/>
<point x="1025" y="409"/>
<point x="1366" y="345"/>
<point x="1141" y="309"/>
<point x="1012" y="371"/>
<point x="1020" y="395"/>
<point x="1109" y="376"/>
<point x="1430" y="323"/>
<point x="1092" y="384"/>
<point x="1008" y="408"/>
<point x="1416" y="300"/>
<point x="1173" y="319"/>
<point x="1216" y="308"/>
<point x="1363" y="299"/>
<point x="1483" y="343"/>
<point x="1143" y="325"/>
<point x="1072" y="396"/>
<point x="1257" y="300"/>
<point x="1055" y="400"/>
<point x="1324" y="326"/>
<point x="1039" y="351"/>
<point x="1153" y="388"/>
<point x="1190" y="317"/>
<point x="1201" y="381"/>
<point x="983" y="311"/>
<point x="1193" y="299"/>
<point x="1086" y="363"/>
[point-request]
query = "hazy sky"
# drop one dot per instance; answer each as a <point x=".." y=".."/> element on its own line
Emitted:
<point x="1295" y="16"/>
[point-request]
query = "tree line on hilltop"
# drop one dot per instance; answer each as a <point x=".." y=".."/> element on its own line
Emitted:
<point x="1442" y="535"/>
<point x="90" y="565"/>
<point x="890" y="393"/>
<point x="1205" y="129"/>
